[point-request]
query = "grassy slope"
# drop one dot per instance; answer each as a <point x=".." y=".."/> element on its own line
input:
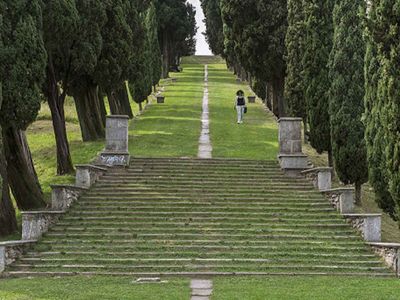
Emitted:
<point x="93" y="288"/>
<point x="257" y="138"/>
<point x="316" y="288"/>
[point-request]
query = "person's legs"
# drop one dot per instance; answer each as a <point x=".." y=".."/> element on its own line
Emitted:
<point x="239" y="114"/>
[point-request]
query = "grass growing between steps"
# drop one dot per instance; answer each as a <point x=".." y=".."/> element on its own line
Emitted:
<point x="172" y="129"/>
<point x="316" y="288"/>
<point x="86" y="288"/>
<point x="257" y="138"/>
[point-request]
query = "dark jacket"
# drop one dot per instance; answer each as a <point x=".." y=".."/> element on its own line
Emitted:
<point x="240" y="101"/>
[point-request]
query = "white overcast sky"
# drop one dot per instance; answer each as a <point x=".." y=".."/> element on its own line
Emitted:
<point x="202" y="46"/>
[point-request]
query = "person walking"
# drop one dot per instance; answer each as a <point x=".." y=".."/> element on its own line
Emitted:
<point x="240" y="105"/>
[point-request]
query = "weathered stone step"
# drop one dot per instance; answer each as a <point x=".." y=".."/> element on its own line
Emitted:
<point x="195" y="209"/>
<point x="196" y="185"/>
<point x="181" y="189"/>
<point x="194" y="237"/>
<point x="214" y="160"/>
<point x="305" y="198"/>
<point x="189" y="219"/>
<point x="274" y="240"/>
<point x="218" y="267"/>
<point x="192" y="229"/>
<point x="193" y="214"/>
<point x="173" y="261"/>
<point x="111" y="204"/>
<point x="191" y="274"/>
<point x="209" y="254"/>
<point x="226" y="225"/>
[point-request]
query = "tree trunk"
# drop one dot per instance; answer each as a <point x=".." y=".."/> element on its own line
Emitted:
<point x="8" y="220"/>
<point x="56" y="104"/>
<point x="330" y="158"/>
<point x="115" y="104"/>
<point x="140" y="106"/>
<point x="269" y="96"/>
<point x="123" y="97"/>
<point x="279" y="99"/>
<point x="165" y="56"/>
<point x="357" y="195"/>
<point x="305" y="125"/>
<point x="90" y="114"/>
<point x="21" y="172"/>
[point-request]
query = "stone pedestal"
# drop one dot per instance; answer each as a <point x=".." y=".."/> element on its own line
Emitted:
<point x="116" y="152"/>
<point x="87" y="175"/>
<point x="321" y="177"/>
<point x="251" y="99"/>
<point x="63" y="196"/>
<point x="342" y="199"/>
<point x="35" y="223"/>
<point x="291" y="157"/>
<point x="368" y="224"/>
<point x="160" y="99"/>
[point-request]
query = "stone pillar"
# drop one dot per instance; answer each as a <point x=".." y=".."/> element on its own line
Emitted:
<point x="342" y="199"/>
<point x="10" y="251"/>
<point x="321" y="177"/>
<point x="87" y="175"/>
<point x="390" y="252"/>
<point x="291" y="157"/>
<point x="116" y="152"/>
<point x="368" y="224"/>
<point x="63" y="196"/>
<point x="35" y="223"/>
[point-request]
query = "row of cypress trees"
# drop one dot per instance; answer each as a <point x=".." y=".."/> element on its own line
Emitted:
<point x="334" y="63"/>
<point x="86" y="49"/>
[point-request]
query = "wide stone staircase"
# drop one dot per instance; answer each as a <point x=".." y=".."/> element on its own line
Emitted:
<point x="200" y="217"/>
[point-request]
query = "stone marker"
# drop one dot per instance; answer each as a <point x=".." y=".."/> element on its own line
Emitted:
<point x="116" y="151"/>
<point x="252" y="99"/>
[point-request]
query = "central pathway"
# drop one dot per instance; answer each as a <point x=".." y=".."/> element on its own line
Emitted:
<point x="205" y="148"/>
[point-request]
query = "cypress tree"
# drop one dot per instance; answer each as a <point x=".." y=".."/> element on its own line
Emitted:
<point x="319" y="36"/>
<point x="23" y="61"/>
<point x="155" y="52"/>
<point x="347" y="94"/>
<point x="295" y="36"/>
<point x="214" y="25"/>
<point x="382" y="103"/>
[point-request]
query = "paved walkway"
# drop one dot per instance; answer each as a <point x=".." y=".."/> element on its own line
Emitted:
<point x="201" y="289"/>
<point x="205" y="148"/>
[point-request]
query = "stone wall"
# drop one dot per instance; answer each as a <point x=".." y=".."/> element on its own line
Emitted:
<point x="11" y="251"/>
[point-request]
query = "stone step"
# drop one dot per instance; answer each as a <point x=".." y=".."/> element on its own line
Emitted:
<point x="208" y="197"/>
<point x="193" y="190"/>
<point x="212" y="255"/>
<point x="100" y="260"/>
<point x="218" y="226"/>
<point x="191" y="274"/>
<point x="277" y="240"/>
<point x="193" y="267"/>
<point x="205" y="235"/>
<point x="212" y="178"/>
<point x="110" y="204"/>
<point x="192" y="214"/>
<point x="191" y="229"/>
<point x="195" y="209"/>
<point x="283" y="246"/>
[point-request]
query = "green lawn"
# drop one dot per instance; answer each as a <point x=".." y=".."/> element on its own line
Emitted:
<point x="257" y="138"/>
<point x="86" y="288"/>
<point x="171" y="129"/>
<point x="302" y="288"/>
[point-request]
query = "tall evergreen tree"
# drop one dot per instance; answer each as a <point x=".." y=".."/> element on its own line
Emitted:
<point x="258" y="29"/>
<point x="60" y="31"/>
<point x="155" y="52"/>
<point x="382" y="103"/>
<point x="23" y="62"/>
<point x="347" y="94"/>
<point x="295" y="47"/>
<point x="319" y="37"/>
<point x="214" y="25"/>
